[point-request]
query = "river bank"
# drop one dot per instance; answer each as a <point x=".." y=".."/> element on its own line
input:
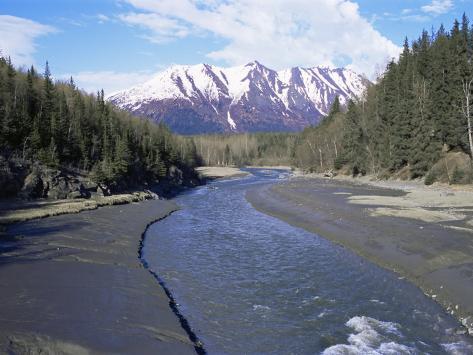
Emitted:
<point x="75" y="284"/>
<point x="422" y="234"/>
<point x="15" y="211"/>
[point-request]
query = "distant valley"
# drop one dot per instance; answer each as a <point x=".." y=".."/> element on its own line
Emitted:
<point x="250" y="98"/>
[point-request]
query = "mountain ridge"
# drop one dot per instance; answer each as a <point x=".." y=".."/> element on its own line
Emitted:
<point x="204" y="98"/>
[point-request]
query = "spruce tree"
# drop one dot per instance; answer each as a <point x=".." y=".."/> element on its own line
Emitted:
<point x="353" y="140"/>
<point x="47" y="113"/>
<point x="335" y="108"/>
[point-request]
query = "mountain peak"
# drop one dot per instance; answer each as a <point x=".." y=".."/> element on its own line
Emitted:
<point x="255" y="65"/>
<point x="204" y="98"/>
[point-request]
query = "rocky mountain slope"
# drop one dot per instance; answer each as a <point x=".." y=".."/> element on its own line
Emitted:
<point x="206" y="99"/>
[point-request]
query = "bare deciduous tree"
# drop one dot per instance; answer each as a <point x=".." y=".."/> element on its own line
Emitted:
<point x="466" y="108"/>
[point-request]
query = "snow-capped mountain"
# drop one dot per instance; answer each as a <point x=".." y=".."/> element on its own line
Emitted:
<point x="205" y="99"/>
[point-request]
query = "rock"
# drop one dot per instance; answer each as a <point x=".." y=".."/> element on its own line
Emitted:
<point x="329" y="174"/>
<point x="33" y="187"/>
<point x="12" y="176"/>
<point x="75" y="194"/>
<point x="59" y="188"/>
<point x="468" y="324"/>
<point x="89" y="185"/>
<point x="175" y="174"/>
<point x="20" y="179"/>
<point x="153" y="195"/>
<point x="103" y="191"/>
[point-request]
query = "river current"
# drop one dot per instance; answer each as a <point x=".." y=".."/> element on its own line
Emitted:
<point x="249" y="283"/>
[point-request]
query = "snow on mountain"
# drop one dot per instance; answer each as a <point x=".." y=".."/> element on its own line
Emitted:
<point x="206" y="99"/>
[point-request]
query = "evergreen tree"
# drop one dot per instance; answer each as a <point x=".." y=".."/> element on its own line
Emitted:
<point x="47" y="111"/>
<point x="335" y="108"/>
<point x="121" y="159"/>
<point x="60" y="126"/>
<point x="353" y="140"/>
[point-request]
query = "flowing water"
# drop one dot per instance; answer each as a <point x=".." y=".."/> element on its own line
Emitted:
<point x="249" y="283"/>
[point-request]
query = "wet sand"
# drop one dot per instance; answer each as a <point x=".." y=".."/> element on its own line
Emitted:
<point x="435" y="255"/>
<point x="75" y="284"/>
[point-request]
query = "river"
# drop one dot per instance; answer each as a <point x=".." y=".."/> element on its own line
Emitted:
<point x="249" y="283"/>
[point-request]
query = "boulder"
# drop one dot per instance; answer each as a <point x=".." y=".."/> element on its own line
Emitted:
<point x="103" y="191"/>
<point x="12" y="175"/>
<point x="175" y="175"/>
<point x="89" y="185"/>
<point x="33" y="187"/>
<point x="329" y="174"/>
<point x="59" y="188"/>
<point x="74" y="195"/>
<point x="79" y="192"/>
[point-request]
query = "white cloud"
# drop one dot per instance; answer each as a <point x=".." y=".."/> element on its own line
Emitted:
<point x="162" y="28"/>
<point x="438" y="7"/>
<point x="17" y="38"/>
<point x="102" y="18"/>
<point x="109" y="81"/>
<point x="279" y="33"/>
<point x="415" y="18"/>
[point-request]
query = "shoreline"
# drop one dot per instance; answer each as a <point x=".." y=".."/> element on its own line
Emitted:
<point x="73" y="284"/>
<point x="439" y="260"/>
<point x="198" y="345"/>
<point x="17" y="211"/>
<point x="405" y="185"/>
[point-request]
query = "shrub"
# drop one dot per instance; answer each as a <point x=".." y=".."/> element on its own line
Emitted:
<point x="430" y="178"/>
<point x="339" y="162"/>
<point x="458" y="176"/>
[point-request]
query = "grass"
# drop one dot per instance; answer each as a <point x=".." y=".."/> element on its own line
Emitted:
<point x="33" y="210"/>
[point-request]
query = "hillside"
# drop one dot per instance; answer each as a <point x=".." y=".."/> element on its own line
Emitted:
<point x="414" y="122"/>
<point x="57" y="142"/>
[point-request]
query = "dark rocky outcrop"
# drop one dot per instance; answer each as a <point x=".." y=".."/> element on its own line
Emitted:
<point x="56" y="184"/>
<point x="32" y="180"/>
<point x="12" y="176"/>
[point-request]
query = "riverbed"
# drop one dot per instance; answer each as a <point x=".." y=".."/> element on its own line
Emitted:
<point x="250" y="283"/>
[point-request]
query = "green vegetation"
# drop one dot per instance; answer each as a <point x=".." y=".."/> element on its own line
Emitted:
<point x="57" y="126"/>
<point x="418" y="112"/>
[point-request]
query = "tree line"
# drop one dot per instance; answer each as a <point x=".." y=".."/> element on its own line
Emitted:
<point x="245" y="149"/>
<point x="59" y="126"/>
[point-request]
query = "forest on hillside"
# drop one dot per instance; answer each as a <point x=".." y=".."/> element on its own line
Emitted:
<point x="414" y="121"/>
<point x="54" y="125"/>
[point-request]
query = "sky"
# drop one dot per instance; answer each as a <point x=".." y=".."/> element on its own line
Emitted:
<point x="114" y="44"/>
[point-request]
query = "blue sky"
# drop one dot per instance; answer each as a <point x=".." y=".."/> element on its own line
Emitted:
<point x="117" y="43"/>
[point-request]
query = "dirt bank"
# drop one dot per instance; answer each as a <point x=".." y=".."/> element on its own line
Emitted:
<point x="75" y="284"/>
